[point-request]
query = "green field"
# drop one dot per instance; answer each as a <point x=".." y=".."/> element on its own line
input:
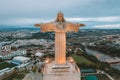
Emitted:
<point x="81" y="59"/>
<point x="5" y="65"/>
<point x="18" y="76"/>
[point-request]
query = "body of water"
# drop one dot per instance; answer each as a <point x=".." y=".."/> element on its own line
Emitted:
<point x="102" y="57"/>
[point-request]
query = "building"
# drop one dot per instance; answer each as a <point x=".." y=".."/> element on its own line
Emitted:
<point x="38" y="54"/>
<point x="20" y="60"/>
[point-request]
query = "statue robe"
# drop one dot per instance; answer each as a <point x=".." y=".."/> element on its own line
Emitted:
<point x="60" y="30"/>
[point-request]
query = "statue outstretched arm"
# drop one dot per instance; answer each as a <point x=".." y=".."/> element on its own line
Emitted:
<point x="81" y="25"/>
<point x="38" y="25"/>
<point x="73" y="27"/>
<point x="46" y="27"/>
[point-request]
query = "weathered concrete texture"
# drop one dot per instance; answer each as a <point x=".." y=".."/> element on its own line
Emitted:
<point x="70" y="71"/>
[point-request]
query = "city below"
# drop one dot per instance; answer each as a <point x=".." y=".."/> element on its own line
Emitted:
<point x="24" y="52"/>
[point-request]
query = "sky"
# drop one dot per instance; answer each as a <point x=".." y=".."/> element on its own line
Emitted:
<point x="100" y="14"/>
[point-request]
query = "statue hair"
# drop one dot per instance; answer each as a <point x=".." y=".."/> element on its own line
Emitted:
<point x="60" y="13"/>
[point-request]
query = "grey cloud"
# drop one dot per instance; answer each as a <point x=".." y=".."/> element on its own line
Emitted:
<point x="30" y="11"/>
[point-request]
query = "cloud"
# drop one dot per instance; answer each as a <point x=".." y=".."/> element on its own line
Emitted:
<point x="42" y="5"/>
<point x="29" y="21"/>
<point x="109" y="26"/>
<point x="41" y="8"/>
<point x="24" y="21"/>
<point x="97" y="19"/>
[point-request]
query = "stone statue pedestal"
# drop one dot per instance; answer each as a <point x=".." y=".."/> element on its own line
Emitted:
<point x="60" y="66"/>
<point x="68" y="71"/>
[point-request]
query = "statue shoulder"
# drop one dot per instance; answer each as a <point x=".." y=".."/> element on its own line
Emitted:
<point x="70" y="24"/>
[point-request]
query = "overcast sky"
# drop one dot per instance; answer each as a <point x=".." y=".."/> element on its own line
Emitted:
<point x="93" y="13"/>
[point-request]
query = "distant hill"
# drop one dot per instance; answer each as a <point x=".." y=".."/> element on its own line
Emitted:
<point x="41" y="35"/>
<point x="8" y="26"/>
<point x="14" y="28"/>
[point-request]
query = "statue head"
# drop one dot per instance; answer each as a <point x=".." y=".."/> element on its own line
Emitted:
<point x="60" y="17"/>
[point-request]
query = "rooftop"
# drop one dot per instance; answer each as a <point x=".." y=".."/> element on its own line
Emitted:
<point x="21" y="58"/>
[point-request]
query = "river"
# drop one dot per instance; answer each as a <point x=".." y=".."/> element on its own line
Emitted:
<point x="102" y="57"/>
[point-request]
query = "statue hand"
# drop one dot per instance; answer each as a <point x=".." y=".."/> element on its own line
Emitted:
<point x="81" y="25"/>
<point x="37" y="25"/>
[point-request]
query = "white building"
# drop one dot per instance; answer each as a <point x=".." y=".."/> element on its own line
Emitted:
<point x="38" y="54"/>
<point x="20" y="60"/>
<point x="13" y="54"/>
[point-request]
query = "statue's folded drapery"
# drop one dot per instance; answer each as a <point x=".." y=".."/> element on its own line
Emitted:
<point x="60" y="27"/>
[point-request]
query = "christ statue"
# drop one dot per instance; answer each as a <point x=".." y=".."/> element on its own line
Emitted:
<point x="60" y="26"/>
